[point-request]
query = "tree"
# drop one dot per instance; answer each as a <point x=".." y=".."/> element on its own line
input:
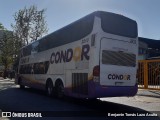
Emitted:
<point x="30" y="24"/>
<point x="1" y="27"/>
<point x="16" y="51"/>
<point x="6" y="48"/>
<point x="9" y="48"/>
<point x="39" y="25"/>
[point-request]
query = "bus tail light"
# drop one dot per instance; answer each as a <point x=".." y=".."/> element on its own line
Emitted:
<point x="96" y="73"/>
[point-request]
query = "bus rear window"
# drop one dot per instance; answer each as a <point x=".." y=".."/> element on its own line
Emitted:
<point x="119" y="25"/>
<point x="118" y="58"/>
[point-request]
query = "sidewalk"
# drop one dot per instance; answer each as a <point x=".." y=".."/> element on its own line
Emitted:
<point x="149" y="93"/>
<point x="7" y="79"/>
<point x="6" y="83"/>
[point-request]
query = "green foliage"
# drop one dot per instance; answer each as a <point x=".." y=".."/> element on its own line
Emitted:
<point x="30" y="24"/>
<point x="6" y="48"/>
<point x="1" y="27"/>
<point x="9" y="47"/>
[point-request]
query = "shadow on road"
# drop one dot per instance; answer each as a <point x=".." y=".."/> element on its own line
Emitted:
<point x="15" y="99"/>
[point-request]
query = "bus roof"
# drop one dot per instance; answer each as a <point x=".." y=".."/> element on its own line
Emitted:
<point x="91" y="16"/>
<point x="81" y="28"/>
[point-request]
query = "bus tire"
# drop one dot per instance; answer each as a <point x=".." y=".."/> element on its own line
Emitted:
<point x="49" y="88"/>
<point x="20" y="84"/>
<point x="59" y="89"/>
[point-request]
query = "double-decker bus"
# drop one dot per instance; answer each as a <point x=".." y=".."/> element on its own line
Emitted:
<point x="93" y="57"/>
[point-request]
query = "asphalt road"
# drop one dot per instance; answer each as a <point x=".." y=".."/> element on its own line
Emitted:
<point x="13" y="99"/>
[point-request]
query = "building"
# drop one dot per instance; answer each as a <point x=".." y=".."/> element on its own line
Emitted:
<point x="148" y="48"/>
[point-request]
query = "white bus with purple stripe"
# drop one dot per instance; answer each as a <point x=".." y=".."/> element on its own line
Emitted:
<point x="95" y="56"/>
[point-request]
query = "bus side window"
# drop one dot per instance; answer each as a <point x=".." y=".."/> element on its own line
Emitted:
<point x="46" y="65"/>
<point x="41" y="68"/>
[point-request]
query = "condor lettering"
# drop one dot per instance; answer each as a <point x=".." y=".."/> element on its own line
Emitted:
<point x="77" y="54"/>
<point x="118" y="77"/>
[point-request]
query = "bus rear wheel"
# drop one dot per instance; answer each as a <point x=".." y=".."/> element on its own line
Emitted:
<point x="49" y="88"/>
<point x="59" y="90"/>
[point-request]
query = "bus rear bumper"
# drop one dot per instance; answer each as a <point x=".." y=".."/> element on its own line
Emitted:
<point x="96" y="90"/>
<point x="115" y="91"/>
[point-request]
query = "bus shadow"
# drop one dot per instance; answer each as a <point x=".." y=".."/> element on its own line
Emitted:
<point x="93" y="108"/>
<point x="97" y="106"/>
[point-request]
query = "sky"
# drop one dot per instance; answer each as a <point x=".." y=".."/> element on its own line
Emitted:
<point x="60" y="13"/>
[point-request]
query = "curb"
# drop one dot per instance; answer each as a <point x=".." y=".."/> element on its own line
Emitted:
<point x="149" y="93"/>
<point x="147" y="99"/>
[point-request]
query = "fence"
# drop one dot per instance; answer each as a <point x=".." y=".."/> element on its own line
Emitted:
<point x="149" y="74"/>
